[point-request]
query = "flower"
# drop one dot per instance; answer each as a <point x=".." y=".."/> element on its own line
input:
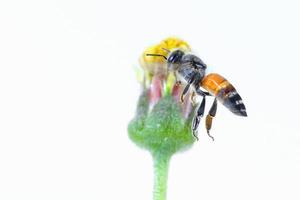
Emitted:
<point x="162" y="123"/>
<point x="161" y="119"/>
<point x="155" y="65"/>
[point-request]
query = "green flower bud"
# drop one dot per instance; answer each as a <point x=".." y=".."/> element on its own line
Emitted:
<point x="162" y="124"/>
<point x="163" y="129"/>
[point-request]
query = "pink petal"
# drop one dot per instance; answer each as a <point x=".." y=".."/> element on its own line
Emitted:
<point x="155" y="91"/>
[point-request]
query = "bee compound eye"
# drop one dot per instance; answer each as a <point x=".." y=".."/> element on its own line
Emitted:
<point x="175" y="56"/>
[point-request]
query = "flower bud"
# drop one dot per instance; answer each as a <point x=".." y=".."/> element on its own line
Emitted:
<point x="162" y="123"/>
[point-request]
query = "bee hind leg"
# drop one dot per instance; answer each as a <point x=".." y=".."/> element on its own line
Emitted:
<point x="197" y="118"/>
<point x="209" y="118"/>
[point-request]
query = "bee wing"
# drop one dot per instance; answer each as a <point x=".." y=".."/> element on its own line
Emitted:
<point x="209" y="70"/>
<point x="187" y="71"/>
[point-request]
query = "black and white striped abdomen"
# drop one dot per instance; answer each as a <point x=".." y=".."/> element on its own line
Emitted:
<point x="232" y="100"/>
<point x="219" y="87"/>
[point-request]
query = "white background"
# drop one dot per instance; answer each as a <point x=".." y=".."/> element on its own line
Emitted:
<point x="68" y="90"/>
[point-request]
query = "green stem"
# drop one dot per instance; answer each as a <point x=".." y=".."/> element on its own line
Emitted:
<point x="161" y="166"/>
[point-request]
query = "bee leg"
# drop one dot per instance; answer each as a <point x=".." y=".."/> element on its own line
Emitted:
<point x="202" y="93"/>
<point x="197" y="118"/>
<point x="185" y="90"/>
<point x="193" y="98"/>
<point x="209" y="118"/>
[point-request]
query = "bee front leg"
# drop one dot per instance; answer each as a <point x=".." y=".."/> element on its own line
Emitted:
<point x="193" y="98"/>
<point x="209" y="118"/>
<point x="197" y="118"/>
<point x="185" y="90"/>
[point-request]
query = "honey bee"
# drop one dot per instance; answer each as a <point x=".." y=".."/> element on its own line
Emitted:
<point x="191" y="71"/>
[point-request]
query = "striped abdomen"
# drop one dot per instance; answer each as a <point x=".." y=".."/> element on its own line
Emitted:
<point x="219" y="87"/>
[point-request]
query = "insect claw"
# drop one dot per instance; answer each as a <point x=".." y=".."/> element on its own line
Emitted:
<point x="213" y="139"/>
<point x="195" y="135"/>
<point x="181" y="98"/>
<point x="193" y="98"/>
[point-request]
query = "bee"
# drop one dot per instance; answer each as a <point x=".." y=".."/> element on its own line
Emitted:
<point x="190" y="70"/>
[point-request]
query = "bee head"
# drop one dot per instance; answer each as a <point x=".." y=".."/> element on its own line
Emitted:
<point x="174" y="59"/>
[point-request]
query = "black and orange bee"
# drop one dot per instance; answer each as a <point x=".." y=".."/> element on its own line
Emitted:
<point x="191" y="70"/>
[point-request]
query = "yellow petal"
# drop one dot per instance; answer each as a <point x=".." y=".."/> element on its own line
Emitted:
<point x="157" y="64"/>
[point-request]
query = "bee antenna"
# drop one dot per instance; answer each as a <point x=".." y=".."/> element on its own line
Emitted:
<point x="167" y="50"/>
<point x="150" y="54"/>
